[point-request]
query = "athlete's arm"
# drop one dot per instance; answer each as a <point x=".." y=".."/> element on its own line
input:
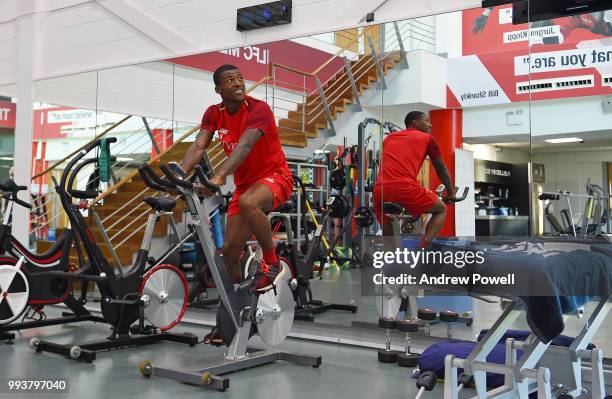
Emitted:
<point x="196" y="151"/>
<point x="242" y="150"/>
<point x="481" y="21"/>
<point x="444" y="177"/>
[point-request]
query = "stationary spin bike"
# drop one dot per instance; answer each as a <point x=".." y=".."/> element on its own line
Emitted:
<point x="403" y="222"/>
<point x="24" y="282"/>
<point x="158" y="295"/>
<point x="242" y="312"/>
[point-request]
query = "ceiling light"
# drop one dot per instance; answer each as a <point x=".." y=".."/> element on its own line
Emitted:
<point x="565" y="140"/>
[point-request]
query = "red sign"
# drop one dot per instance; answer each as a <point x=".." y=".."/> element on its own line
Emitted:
<point x="253" y="63"/>
<point x="163" y="139"/>
<point x="8" y="112"/>
<point x="558" y="58"/>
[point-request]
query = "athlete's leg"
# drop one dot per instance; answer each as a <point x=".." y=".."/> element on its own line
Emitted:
<point x="387" y="228"/>
<point x="435" y="223"/>
<point x="237" y="232"/>
<point x="254" y="204"/>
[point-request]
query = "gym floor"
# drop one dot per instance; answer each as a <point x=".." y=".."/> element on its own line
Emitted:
<point x="346" y="371"/>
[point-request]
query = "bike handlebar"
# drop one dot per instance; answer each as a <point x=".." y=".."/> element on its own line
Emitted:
<point x="204" y="180"/>
<point x="168" y="173"/>
<point x="10" y="188"/>
<point x="462" y="197"/>
<point x="148" y="177"/>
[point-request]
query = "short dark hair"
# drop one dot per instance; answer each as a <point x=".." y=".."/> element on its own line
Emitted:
<point x="220" y="70"/>
<point x="413" y="116"/>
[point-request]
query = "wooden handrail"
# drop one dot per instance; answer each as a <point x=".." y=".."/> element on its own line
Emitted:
<point x="259" y="82"/>
<point x="73" y="153"/>
<point x="123" y="181"/>
<point x="291" y="69"/>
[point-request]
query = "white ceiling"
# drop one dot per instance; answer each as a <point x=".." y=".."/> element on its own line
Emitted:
<point x="72" y="36"/>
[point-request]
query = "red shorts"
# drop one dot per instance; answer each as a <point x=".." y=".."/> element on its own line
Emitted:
<point x="281" y="185"/>
<point x="415" y="198"/>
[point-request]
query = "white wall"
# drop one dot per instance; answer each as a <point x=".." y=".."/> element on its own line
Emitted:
<point x="540" y="118"/>
<point x="498" y="154"/>
<point x="449" y="42"/>
<point x="424" y="82"/>
<point x="465" y="213"/>
<point x="84" y="35"/>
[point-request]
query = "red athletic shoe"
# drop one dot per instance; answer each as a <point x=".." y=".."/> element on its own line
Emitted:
<point x="213" y="338"/>
<point x="266" y="276"/>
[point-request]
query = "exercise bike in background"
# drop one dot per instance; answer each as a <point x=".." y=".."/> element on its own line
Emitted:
<point x="157" y="294"/>
<point x="592" y="220"/>
<point x="25" y="283"/>
<point x="403" y="298"/>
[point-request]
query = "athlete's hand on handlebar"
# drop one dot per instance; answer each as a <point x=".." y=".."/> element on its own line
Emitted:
<point x="203" y="190"/>
<point x="450" y="196"/>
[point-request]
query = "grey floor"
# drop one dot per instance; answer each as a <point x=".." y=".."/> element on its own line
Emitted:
<point x="346" y="371"/>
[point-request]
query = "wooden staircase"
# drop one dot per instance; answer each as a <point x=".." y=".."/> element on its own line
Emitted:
<point x="292" y="130"/>
<point x="119" y="225"/>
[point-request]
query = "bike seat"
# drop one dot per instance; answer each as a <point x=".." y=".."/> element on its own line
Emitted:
<point x="392" y="208"/>
<point x="286" y="207"/>
<point x="161" y="204"/>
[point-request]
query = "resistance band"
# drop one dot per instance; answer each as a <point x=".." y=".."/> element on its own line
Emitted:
<point x="314" y="219"/>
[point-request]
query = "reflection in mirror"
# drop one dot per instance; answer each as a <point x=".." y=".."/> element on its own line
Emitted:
<point x="455" y="94"/>
<point x="571" y="117"/>
<point x="65" y="119"/>
<point x="136" y="105"/>
<point x="568" y="78"/>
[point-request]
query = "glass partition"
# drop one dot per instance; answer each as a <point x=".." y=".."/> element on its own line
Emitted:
<point x="568" y="78"/>
<point x="65" y="119"/>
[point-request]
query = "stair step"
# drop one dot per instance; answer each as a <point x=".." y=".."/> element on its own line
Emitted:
<point x="293" y="138"/>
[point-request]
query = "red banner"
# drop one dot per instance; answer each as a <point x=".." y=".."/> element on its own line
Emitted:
<point x="163" y="139"/>
<point x="253" y="63"/>
<point x="558" y="58"/>
<point x="8" y="113"/>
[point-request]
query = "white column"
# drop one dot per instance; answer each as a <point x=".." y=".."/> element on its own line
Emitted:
<point x="26" y="40"/>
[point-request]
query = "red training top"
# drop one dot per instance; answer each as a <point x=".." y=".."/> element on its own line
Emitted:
<point x="266" y="156"/>
<point x="403" y="154"/>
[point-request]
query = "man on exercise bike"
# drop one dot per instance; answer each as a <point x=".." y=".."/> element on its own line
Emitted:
<point x="247" y="129"/>
<point x="403" y="155"/>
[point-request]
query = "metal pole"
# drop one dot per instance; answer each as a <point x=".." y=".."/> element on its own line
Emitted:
<point x="106" y="240"/>
<point x="349" y="73"/>
<point x="404" y="63"/>
<point x="379" y="69"/>
<point x="157" y="151"/>
<point x="332" y="129"/>
<point x="304" y="100"/>
<point x="382" y="39"/>
<point x="273" y="87"/>
<point x="361" y="176"/>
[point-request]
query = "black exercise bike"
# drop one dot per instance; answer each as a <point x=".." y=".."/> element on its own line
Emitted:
<point x="25" y="284"/>
<point x="128" y="299"/>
